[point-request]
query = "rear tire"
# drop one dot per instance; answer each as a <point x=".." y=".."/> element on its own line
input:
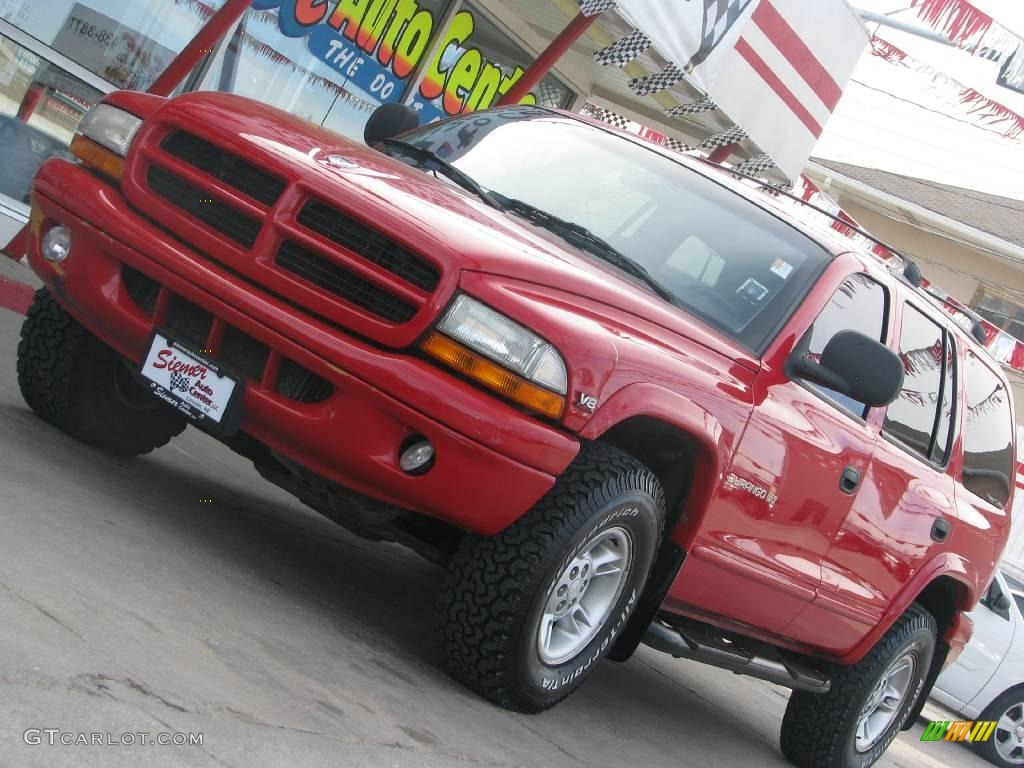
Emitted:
<point x="84" y="388"/>
<point x="526" y="615"/>
<point x="827" y="730"/>
<point x="1002" y="748"/>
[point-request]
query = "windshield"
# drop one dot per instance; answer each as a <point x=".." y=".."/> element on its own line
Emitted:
<point x="724" y="259"/>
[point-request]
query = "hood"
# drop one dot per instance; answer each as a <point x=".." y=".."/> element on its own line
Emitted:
<point x="429" y="215"/>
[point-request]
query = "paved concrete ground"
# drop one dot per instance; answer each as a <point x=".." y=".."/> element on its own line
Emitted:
<point x="180" y="593"/>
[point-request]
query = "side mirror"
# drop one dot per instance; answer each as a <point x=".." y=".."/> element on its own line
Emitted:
<point x="388" y="121"/>
<point x="1002" y="603"/>
<point x="854" y="365"/>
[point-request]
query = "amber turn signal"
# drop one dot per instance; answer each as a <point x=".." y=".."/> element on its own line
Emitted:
<point x="492" y="375"/>
<point x="97" y="157"/>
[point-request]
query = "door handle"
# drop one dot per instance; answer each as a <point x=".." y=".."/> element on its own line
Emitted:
<point x="849" y="481"/>
<point x="940" y="529"/>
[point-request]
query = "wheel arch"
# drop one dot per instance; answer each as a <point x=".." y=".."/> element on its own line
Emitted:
<point x="675" y="438"/>
<point x="681" y="443"/>
<point x="947" y="597"/>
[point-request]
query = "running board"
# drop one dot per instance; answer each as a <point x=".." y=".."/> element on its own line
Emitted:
<point x="701" y="645"/>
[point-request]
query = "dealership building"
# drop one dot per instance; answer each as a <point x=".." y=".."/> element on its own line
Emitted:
<point x="58" y="58"/>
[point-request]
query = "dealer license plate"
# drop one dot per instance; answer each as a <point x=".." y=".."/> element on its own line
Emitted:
<point x="188" y="382"/>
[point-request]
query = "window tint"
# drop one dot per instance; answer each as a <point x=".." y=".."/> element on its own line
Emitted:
<point x="988" y="434"/>
<point x="911" y="418"/>
<point x="859" y="304"/>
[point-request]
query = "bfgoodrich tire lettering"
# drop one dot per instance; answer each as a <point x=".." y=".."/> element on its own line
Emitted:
<point x="820" y="730"/>
<point x="84" y="388"/>
<point x="497" y="589"/>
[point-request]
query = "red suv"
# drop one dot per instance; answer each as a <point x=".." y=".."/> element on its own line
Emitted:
<point x="621" y="395"/>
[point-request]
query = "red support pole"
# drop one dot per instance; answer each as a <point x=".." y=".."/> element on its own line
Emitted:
<point x="18" y="246"/>
<point x="31" y="100"/>
<point x="546" y="60"/>
<point x="200" y="45"/>
<point x="721" y="154"/>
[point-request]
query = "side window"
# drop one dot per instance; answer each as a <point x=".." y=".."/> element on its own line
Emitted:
<point x="859" y="304"/>
<point x="988" y="434"/>
<point x="913" y="417"/>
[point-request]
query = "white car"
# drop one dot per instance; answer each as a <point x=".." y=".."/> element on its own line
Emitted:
<point x="986" y="682"/>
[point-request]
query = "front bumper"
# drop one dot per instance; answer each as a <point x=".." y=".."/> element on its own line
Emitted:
<point x="493" y="462"/>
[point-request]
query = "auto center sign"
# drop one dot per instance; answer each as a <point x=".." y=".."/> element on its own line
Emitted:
<point x="378" y="44"/>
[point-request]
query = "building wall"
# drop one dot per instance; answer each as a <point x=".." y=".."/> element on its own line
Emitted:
<point x="959" y="269"/>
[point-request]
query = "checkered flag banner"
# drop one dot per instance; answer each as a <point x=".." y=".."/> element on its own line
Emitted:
<point x="704" y="104"/>
<point x="659" y="81"/>
<point x="723" y="139"/>
<point x="605" y="116"/>
<point x="677" y="145"/>
<point x="549" y="95"/>
<point x="756" y="165"/>
<point x="719" y="16"/>
<point x="594" y="7"/>
<point x="624" y="50"/>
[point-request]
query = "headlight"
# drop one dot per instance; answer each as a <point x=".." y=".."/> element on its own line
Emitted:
<point x="110" y="127"/>
<point x="103" y="138"/>
<point x="500" y="353"/>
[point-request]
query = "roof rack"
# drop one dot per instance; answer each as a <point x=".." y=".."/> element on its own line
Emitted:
<point x="907" y="270"/>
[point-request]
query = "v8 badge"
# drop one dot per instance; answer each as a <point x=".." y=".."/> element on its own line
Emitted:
<point x="586" y="402"/>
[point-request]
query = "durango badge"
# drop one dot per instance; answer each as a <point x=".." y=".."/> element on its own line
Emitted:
<point x="733" y="481"/>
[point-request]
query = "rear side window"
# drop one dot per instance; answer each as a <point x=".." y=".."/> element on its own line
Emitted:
<point x="988" y="434"/>
<point x="859" y="304"/>
<point x="914" y="417"/>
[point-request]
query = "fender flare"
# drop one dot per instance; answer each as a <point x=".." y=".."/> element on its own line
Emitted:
<point x="944" y="564"/>
<point x="674" y="410"/>
<point x="653" y="401"/>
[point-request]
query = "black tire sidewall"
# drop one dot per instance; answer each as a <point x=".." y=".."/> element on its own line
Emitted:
<point x="987" y="748"/>
<point x="83" y="387"/>
<point x="922" y="642"/>
<point x="635" y="512"/>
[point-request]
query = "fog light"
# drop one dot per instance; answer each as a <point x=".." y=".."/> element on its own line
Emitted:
<point x="56" y="244"/>
<point x="418" y="457"/>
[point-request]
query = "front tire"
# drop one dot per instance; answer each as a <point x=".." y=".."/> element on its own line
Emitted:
<point x="1005" y="747"/>
<point x="84" y="388"/>
<point x="526" y="615"/>
<point x="853" y="724"/>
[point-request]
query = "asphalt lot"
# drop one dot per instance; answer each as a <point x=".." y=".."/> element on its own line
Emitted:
<point x="180" y="593"/>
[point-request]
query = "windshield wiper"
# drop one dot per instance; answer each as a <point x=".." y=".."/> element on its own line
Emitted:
<point x="430" y="161"/>
<point x="582" y="237"/>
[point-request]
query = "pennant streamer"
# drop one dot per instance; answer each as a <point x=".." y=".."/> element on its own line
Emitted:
<point x="985" y="110"/>
<point x="956" y="18"/>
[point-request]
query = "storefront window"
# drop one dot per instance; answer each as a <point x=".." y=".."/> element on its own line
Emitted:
<point x="127" y="42"/>
<point x="40" y="106"/>
<point x="1002" y="311"/>
<point x="334" y="65"/>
